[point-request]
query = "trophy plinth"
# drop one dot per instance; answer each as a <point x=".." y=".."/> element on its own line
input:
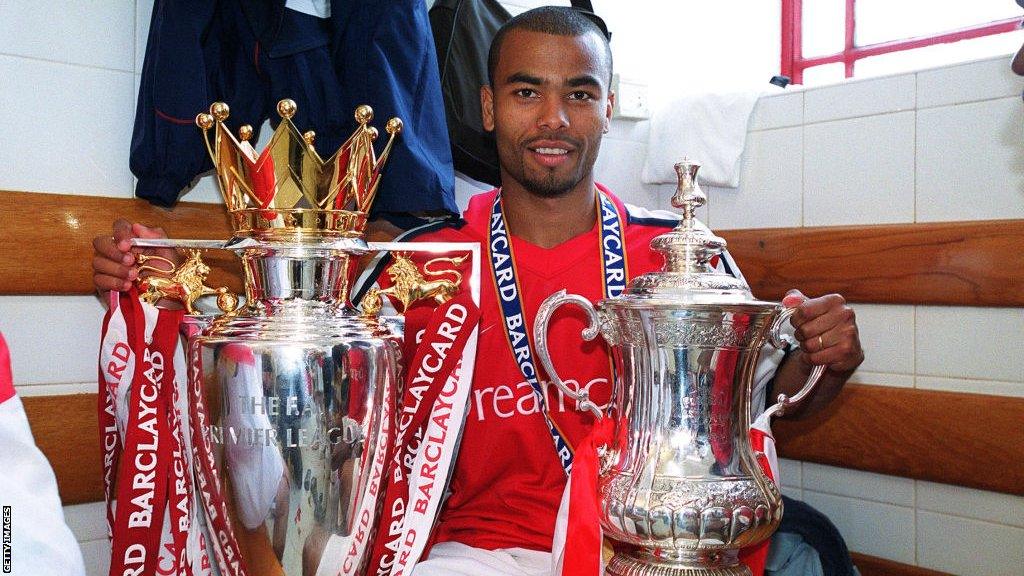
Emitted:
<point x="677" y="563"/>
<point x="680" y="481"/>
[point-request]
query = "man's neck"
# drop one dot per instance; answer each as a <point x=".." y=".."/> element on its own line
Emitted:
<point x="548" y="222"/>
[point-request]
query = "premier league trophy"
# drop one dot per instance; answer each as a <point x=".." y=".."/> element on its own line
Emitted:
<point x="680" y="481"/>
<point x="293" y="396"/>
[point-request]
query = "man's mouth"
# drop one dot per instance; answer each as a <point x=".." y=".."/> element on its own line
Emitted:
<point x="550" y="153"/>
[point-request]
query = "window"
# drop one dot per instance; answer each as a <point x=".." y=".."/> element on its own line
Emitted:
<point x="827" y="40"/>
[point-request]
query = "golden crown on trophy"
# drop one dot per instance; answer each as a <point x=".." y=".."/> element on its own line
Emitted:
<point x="288" y="189"/>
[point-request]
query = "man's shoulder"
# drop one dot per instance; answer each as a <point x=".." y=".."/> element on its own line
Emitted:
<point x="641" y="216"/>
<point x="466" y="228"/>
<point x="446" y="230"/>
<point x="659" y="219"/>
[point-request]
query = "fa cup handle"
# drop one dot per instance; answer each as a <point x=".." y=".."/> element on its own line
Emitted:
<point x="540" y="339"/>
<point x="780" y="340"/>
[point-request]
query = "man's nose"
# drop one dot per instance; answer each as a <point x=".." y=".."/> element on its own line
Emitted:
<point x="552" y="114"/>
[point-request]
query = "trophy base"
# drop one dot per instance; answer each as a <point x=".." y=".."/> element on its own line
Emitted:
<point x="688" y="563"/>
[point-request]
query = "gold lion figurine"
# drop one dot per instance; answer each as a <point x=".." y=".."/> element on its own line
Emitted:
<point x="185" y="284"/>
<point x="408" y="285"/>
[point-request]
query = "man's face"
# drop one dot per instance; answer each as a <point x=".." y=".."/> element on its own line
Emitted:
<point x="548" y="108"/>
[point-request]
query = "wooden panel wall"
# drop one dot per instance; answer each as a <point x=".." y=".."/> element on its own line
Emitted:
<point x="956" y="263"/>
<point x="961" y="263"/>
<point x="47" y="238"/>
<point x="972" y="440"/>
<point x="66" y="429"/>
<point x="872" y="566"/>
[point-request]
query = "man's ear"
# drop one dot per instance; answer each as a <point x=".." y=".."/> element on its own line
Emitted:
<point x="609" y="106"/>
<point x="487" y="107"/>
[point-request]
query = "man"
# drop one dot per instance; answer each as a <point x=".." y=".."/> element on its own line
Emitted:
<point x="549" y="105"/>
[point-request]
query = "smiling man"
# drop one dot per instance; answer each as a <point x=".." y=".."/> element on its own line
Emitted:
<point x="552" y="227"/>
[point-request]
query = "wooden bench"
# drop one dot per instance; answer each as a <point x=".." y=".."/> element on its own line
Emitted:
<point x="48" y="253"/>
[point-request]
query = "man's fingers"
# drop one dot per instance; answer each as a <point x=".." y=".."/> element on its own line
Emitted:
<point x="122" y="229"/>
<point x="106" y="247"/>
<point x="815" y="307"/>
<point x="793" y="298"/>
<point x="169" y="253"/>
<point x="841" y="316"/>
<point x="122" y="234"/>
<point x="107" y="267"/>
<point x="839" y="349"/>
<point x="105" y="283"/>
<point x="142" y="231"/>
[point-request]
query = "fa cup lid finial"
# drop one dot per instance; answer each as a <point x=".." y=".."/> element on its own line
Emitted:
<point x="689" y="273"/>
<point x="688" y="196"/>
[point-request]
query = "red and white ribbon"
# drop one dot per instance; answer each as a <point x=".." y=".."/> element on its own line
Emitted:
<point x="138" y="522"/>
<point x="421" y="448"/>
<point x="449" y="343"/>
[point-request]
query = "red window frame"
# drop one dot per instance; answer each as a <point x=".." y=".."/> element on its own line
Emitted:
<point x="794" y="63"/>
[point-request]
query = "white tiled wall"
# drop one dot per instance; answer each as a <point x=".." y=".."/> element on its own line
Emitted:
<point x="937" y="145"/>
<point x="970" y="164"/>
<point x="859" y="170"/>
<point x="947" y="528"/>
<point x="88" y="522"/>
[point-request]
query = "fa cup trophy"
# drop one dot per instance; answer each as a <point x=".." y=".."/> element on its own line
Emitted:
<point x="680" y="481"/>
<point x="293" y="396"/>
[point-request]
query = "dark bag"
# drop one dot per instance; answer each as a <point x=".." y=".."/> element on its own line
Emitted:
<point x="463" y="30"/>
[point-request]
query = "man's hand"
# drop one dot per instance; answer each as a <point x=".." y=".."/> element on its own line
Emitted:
<point x="114" y="263"/>
<point x="827" y="331"/>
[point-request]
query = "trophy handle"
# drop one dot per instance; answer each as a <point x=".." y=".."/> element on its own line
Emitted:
<point x="540" y="339"/>
<point x="780" y="340"/>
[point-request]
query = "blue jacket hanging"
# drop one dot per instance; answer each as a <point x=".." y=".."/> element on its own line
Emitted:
<point x="252" y="53"/>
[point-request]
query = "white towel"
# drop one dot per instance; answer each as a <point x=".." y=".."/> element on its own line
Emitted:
<point x="710" y="129"/>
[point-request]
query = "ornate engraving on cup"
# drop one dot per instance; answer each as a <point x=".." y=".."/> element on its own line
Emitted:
<point x="685" y="513"/>
<point x="688" y="332"/>
<point x="626" y="330"/>
<point x="612" y="331"/>
<point x="681" y="282"/>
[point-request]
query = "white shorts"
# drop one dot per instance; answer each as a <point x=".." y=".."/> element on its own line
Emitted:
<point x="457" y="559"/>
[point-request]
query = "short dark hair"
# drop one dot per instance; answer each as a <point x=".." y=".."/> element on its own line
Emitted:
<point x="557" y="20"/>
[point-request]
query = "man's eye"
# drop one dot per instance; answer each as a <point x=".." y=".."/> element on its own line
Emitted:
<point x="526" y="92"/>
<point x="580" y="95"/>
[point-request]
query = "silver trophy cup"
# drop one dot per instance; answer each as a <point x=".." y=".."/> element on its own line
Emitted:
<point x="301" y="393"/>
<point x="292" y="397"/>
<point x="680" y="481"/>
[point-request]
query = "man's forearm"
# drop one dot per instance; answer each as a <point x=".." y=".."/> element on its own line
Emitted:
<point x="792" y="375"/>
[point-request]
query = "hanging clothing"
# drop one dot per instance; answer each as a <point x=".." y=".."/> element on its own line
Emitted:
<point x="253" y="53"/>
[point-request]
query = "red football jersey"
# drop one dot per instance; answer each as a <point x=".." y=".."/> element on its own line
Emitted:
<point x="507" y="481"/>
